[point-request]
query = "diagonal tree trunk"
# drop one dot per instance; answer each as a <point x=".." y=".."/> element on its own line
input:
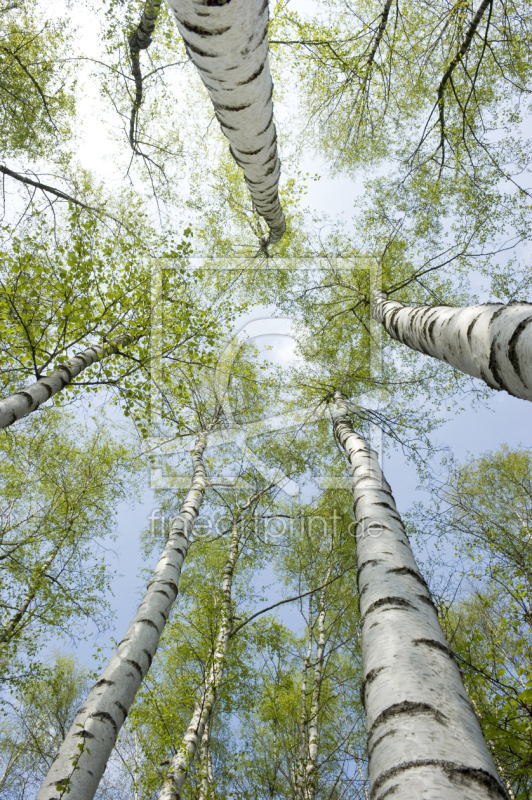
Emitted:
<point x="492" y="342"/>
<point x="180" y="764"/>
<point x="140" y="39"/>
<point x="22" y="403"/>
<point x="228" y="42"/>
<point x="81" y="761"/>
<point x="424" y="739"/>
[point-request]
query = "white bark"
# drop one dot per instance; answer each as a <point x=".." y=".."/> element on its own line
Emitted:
<point x="424" y="739"/>
<point x="228" y="42"/>
<point x="206" y="776"/>
<point x="81" y="761"/>
<point x="180" y="764"/>
<point x="492" y="342"/>
<point x="313" y="727"/>
<point x="299" y="787"/>
<point x="22" y="403"/>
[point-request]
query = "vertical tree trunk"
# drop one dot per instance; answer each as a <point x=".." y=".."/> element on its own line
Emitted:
<point x="81" y="761"/>
<point x="22" y="403"/>
<point x="313" y="727"/>
<point x="492" y="342"/>
<point x="228" y="42"/>
<point x="206" y="776"/>
<point x="180" y="765"/>
<point x="299" y="788"/>
<point x="424" y="739"/>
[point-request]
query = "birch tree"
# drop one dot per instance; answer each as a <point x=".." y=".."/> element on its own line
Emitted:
<point x="85" y="751"/>
<point x="491" y="341"/>
<point x="229" y="47"/>
<point x="216" y="663"/>
<point x="423" y="734"/>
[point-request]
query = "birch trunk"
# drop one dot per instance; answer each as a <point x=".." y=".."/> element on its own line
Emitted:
<point x="299" y="788"/>
<point x="140" y="39"/>
<point x="228" y="42"/>
<point x="424" y="739"/>
<point x="313" y="728"/>
<point x="492" y="342"/>
<point x="206" y="765"/>
<point x="22" y="403"/>
<point x="81" y="761"/>
<point x="180" y="764"/>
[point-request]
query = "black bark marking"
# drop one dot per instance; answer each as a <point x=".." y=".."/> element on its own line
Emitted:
<point x="426" y="600"/>
<point x="204" y="31"/>
<point x="407" y="571"/>
<point x="456" y="773"/>
<point x="435" y="645"/>
<point x="394" y="602"/>
<point x="27" y="397"/>
<point x="379" y="740"/>
<point x="471" y="325"/>
<point x="49" y="390"/>
<point x="149" y="621"/>
<point x="219" y="106"/>
<point x="122" y="708"/>
<point x="84" y="734"/>
<point x="267" y="126"/>
<point x="197" y="50"/>
<point x="409" y="708"/>
<point x="161" y="591"/>
<point x="372" y="562"/>
<point x="512" y="348"/>
<point x="103" y="682"/>
<point x="493" y="364"/>
<point x="252" y="77"/>
<point x="370" y="677"/>
<point x="148" y="656"/>
<point x="104" y="716"/>
<point x="252" y="152"/>
<point x="136" y="666"/>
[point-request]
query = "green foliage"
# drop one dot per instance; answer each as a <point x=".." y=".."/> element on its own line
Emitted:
<point x="35" y="722"/>
<point x="37" y="101"/>
<point x="60" y="484"/>
<point x="484" y="510"/>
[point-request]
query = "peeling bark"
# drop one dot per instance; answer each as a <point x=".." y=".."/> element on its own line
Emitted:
<point x="180" y="764"/>
<point x="22" y="403"/>
<point x="81" y="761"/>
<point x="228" y="43"/>
<point x="492" y="341"/>
<point x="424" y="739"/>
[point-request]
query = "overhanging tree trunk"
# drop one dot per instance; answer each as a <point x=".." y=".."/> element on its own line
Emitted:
<point x="81" y="761"/>
<point x="228" y="42"/>
<point x="140" y="39"/>
<point x="180" y="764"/>
<point x="424" y="739"/>
<point x="492" y="342"/>
<point x="22" y="403"/>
